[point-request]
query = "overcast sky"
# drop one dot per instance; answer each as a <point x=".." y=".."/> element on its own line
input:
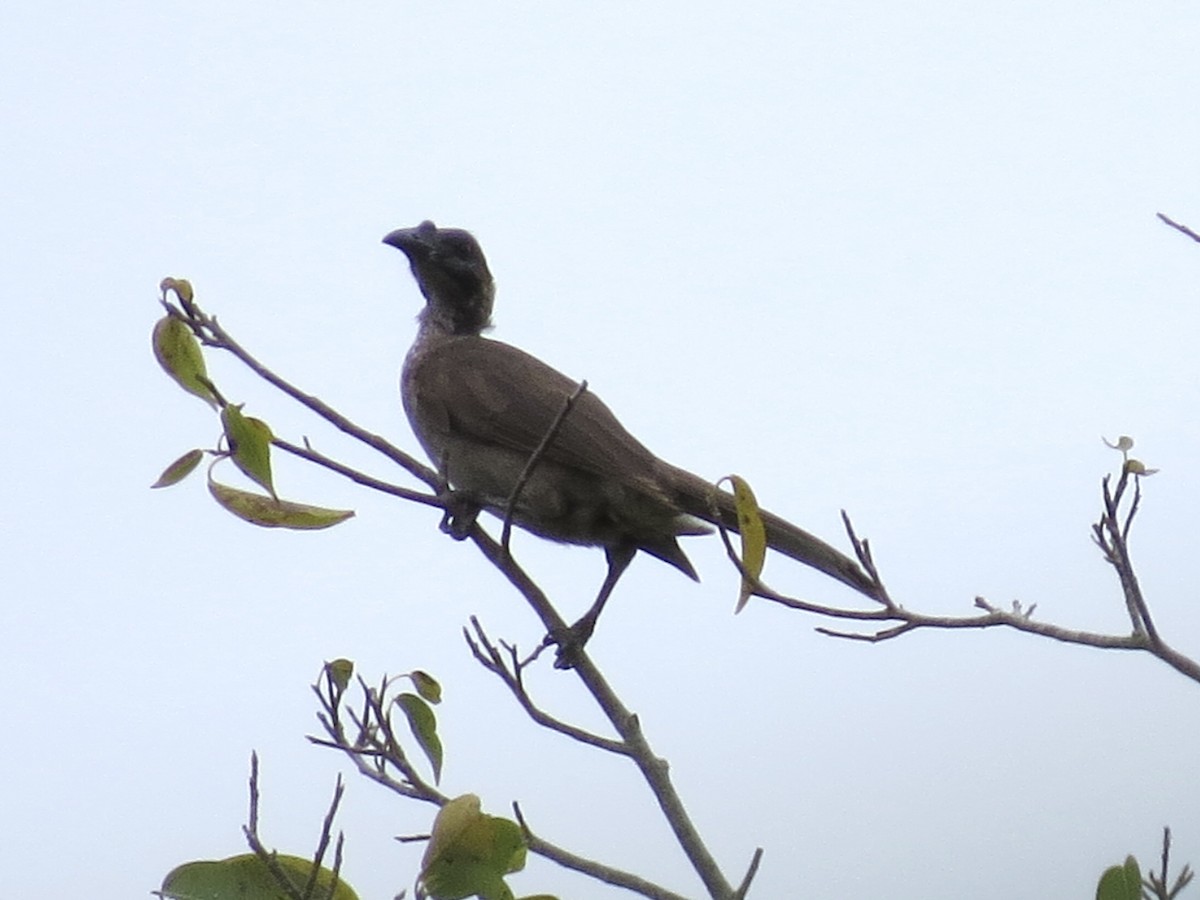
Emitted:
<point x="900" y="259"/>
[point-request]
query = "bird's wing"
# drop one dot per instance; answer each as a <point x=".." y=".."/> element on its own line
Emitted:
<point x="494" y="393"/>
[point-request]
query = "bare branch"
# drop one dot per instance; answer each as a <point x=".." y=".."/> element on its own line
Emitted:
<point x="375" y="484"/>
<point x="323" y="841"/>
<point x="509" y="672"/>
<point x="607" y="874"/>
<point x="1111" y="534"/>
<point x="744" y="887"/>
<point x="1118" y="554"/>
<point x="1180" y="228"/>
<point x="1158" y="883"/>
<point x="654" y="770"/>
<point x="267" y="857"/>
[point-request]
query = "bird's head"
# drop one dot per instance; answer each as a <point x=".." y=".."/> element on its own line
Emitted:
<point x="452" y="273"/>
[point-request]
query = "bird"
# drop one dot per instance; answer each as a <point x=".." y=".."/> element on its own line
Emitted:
<point x="481" y="409"/>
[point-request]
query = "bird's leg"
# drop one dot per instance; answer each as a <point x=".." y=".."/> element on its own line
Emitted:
<point x="572" y="640"/>
<point x="459" y="510"/>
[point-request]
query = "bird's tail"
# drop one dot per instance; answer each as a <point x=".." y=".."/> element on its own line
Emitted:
<point x="704" y="500"/>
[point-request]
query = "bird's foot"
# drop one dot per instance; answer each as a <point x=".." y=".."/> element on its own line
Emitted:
<point x="460" y="513"/>
<point x="570" y="642"/>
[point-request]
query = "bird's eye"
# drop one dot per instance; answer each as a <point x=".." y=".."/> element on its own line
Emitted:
<point x="457" y="246"/>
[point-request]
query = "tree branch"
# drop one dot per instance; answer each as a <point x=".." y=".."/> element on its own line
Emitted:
<point x="210" y="332"/>
<point x="654" y="770"/>
<point x="1180" y="228"/>
<point x="591" y="868"/>
<point x="376" y="751"/>
<point x="376" y="747"/>
<point x="510" y="672"/>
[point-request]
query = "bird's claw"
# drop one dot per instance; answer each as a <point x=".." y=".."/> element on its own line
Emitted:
<point x="460" y="513"/>
<point x="570" y="642"/>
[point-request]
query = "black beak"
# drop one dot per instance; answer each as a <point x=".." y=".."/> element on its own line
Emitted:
<point x="408" y="240"/>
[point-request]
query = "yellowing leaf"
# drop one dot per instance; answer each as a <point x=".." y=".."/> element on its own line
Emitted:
<point x="180" y="469"/>
<point x="250" y="443"/>
<point x="753" y="534"/>
<point x="1137" y="467"/>
<point x="178" y="352"/>
<point x="269" y="512"/>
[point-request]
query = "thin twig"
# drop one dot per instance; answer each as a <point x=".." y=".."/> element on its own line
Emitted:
<point x="323" y="841"/>
<point x="750" y="873"/>
<point x="369" y="481"/>
<point x="1181" y="228"/>
<point x="591" y="868"/>
<point x="267" y="857"/>
<point x="336" y="871"/>
<point x="376" y="747"/>
<point x="213" y="334"/>
<point x="252" y="818"/>
<point x="1111" y="534"/>
<point x="1122" y="561"/>
<point x="862" y="550"/>
<point x="1158" y="883"/>
<point x="534" y="459"/>
<point x="494" y="662"/>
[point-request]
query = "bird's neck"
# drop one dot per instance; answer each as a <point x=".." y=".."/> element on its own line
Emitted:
<point x="438" y="324"/>
<point x="459" y="315"/>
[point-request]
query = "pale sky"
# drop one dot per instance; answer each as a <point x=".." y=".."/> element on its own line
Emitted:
<point x="897" y="259"/>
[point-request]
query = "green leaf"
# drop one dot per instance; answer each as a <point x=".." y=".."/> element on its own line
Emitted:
<point x="1121" y="882"/>
<point x="246" y="877"/>
<point x="180" y="469"/>
<point x="250" y="443"/>
<point x="340" y="672"/>
<point x="178" y="352"/>
<point x="268" y="512"/>
<point x="426" y="686"/>
<point x="469" y="853"/>
<point x="423" y="724"/>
